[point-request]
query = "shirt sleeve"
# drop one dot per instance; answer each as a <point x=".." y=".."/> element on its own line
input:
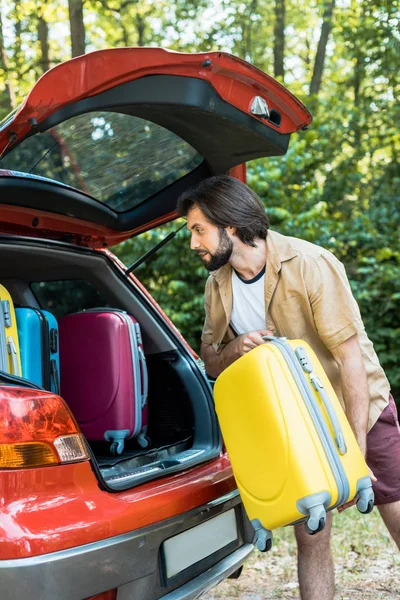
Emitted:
<point x="335" y="310"/>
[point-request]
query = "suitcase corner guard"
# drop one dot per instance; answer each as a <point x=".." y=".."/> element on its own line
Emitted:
<point x="365" y="493"/>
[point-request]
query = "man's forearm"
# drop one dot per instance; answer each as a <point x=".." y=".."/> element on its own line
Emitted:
<point x="355" y="394"/>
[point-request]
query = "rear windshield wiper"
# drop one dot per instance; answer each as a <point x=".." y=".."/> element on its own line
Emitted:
<point x="14" y="380"/>
<point x="141" y="260"/>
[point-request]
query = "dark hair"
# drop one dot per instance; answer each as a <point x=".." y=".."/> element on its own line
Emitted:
<point x="228" y="202"/>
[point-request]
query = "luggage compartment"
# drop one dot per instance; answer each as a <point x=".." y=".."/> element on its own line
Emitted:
<point x="292" y="450"/>
<point x="182" y="424"/>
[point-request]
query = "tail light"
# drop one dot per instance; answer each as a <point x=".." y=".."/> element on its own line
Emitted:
<point x="110" y="595"/>
<point x="37" y="429"/>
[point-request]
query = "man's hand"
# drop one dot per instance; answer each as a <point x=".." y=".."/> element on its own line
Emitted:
<point x="216" y="363"/>
<point x="247" y="341"/>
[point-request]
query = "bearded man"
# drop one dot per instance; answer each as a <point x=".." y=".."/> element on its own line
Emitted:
<point x="264" y="283"/>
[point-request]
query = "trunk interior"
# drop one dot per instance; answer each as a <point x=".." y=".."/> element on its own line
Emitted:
<point x="182" y="425"/>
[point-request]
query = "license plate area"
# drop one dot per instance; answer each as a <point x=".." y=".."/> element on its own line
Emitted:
<point x="181" y="552"/>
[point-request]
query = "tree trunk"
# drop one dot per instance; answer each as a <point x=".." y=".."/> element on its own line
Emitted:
<point x="17" y="50"/>
<point x="279" y="38"/>
<point x="9" y="101"/>
<point x="78" y="46"/>
<point x="141" y="27"/>
<point x="43" y="37"/>
<point x="321" y="50"/>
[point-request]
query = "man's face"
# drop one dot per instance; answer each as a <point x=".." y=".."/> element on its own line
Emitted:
<point x="211" y="243"/>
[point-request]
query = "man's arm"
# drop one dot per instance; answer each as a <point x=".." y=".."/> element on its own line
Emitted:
<point x="216" y="363"/>
<point x="355" y="388"/>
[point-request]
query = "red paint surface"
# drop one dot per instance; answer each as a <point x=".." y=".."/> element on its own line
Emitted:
<point x="53" y="508"/>
<point x="235" y="80"/>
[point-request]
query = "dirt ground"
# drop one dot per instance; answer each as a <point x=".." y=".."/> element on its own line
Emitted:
<point x="367" y="564"/>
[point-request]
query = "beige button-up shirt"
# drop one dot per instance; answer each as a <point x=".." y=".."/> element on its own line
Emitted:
<point x="307" y="296"/>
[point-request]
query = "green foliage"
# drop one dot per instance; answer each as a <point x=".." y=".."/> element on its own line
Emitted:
<point x="174" y="276"/>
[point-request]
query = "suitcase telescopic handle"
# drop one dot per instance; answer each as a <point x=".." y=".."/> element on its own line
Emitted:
<point x="319" y="388"/>
<point x="145" y="379"/>
<point x="12" y="350"/>
<point x="7" y="313"/>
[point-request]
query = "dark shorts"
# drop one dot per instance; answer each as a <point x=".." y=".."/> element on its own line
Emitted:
<point x="383" y="455"/>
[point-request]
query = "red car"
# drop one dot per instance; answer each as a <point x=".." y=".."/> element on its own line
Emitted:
<point x="99" y="151"/>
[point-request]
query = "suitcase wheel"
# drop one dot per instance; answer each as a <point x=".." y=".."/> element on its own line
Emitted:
<point x="117" y="439"/>
<point x="365" y="506"/>
<point x="143" y="441"/>
<point x="263" y="537"/>
<point x="116" y="448"/>
<point x="321" y="527"/>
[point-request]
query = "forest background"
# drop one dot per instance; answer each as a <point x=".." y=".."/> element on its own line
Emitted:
<point x="338" y="185"/>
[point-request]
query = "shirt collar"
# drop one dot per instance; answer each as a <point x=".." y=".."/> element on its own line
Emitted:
<point x="279" y="250"/>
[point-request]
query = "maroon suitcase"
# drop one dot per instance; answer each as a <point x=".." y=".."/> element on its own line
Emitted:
<point x="104" y="375"/>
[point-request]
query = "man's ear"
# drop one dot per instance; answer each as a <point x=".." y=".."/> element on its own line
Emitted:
<point x="231" y="230"/>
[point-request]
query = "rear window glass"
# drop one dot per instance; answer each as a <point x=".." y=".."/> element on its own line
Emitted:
<point x="118" y="159"/>
<point x="67" y="296"/>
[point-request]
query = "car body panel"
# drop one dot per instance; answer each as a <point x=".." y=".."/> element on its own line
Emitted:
<point x="95" y="73"/>
<point x="54" y="508"/>
<point x="127" y="561"/>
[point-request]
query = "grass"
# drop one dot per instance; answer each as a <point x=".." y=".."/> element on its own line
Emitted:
<point x="367" y="564"/>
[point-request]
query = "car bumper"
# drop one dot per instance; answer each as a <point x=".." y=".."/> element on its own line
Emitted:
<point x="130" y="562"/>
<point x="207" y="580"/>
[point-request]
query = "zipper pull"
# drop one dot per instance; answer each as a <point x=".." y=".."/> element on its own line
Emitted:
<point x="12" y="350"/>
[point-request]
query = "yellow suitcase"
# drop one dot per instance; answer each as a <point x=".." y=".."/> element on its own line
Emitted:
<point x="293" y="453"/>
<point x="10" y="358"/>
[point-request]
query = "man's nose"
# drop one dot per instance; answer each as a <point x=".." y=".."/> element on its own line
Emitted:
<point x="193" y="242"/>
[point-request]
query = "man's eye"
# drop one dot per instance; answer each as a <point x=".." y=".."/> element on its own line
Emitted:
<point x="199" y="231"/>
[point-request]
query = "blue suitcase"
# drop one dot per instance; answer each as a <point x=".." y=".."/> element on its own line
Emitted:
<point x="38" y="338"/>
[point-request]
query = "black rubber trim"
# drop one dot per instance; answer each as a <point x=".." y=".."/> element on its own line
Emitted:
<point x="18" y="381"/>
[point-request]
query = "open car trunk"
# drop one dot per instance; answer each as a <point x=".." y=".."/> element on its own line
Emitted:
<point x="182" y="425"/>
<point x="98" y="161"/>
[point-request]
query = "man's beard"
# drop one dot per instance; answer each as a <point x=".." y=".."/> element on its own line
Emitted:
<point x="222" y="254"/>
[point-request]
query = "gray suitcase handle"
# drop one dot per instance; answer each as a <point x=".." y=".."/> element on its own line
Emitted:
<point x="12" y="350"/>
<point x="142" y="361"/>
<point x="319" y="388"/>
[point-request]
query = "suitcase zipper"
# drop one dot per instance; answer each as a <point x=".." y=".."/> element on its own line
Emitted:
<point x="318" y="420"/>
<point x="319" y="388"/>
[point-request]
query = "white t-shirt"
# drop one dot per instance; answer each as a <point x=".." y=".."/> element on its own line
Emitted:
<point x="248" y="303"/>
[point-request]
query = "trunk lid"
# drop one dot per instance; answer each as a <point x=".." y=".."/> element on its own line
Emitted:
<point x="104" y="143"/>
